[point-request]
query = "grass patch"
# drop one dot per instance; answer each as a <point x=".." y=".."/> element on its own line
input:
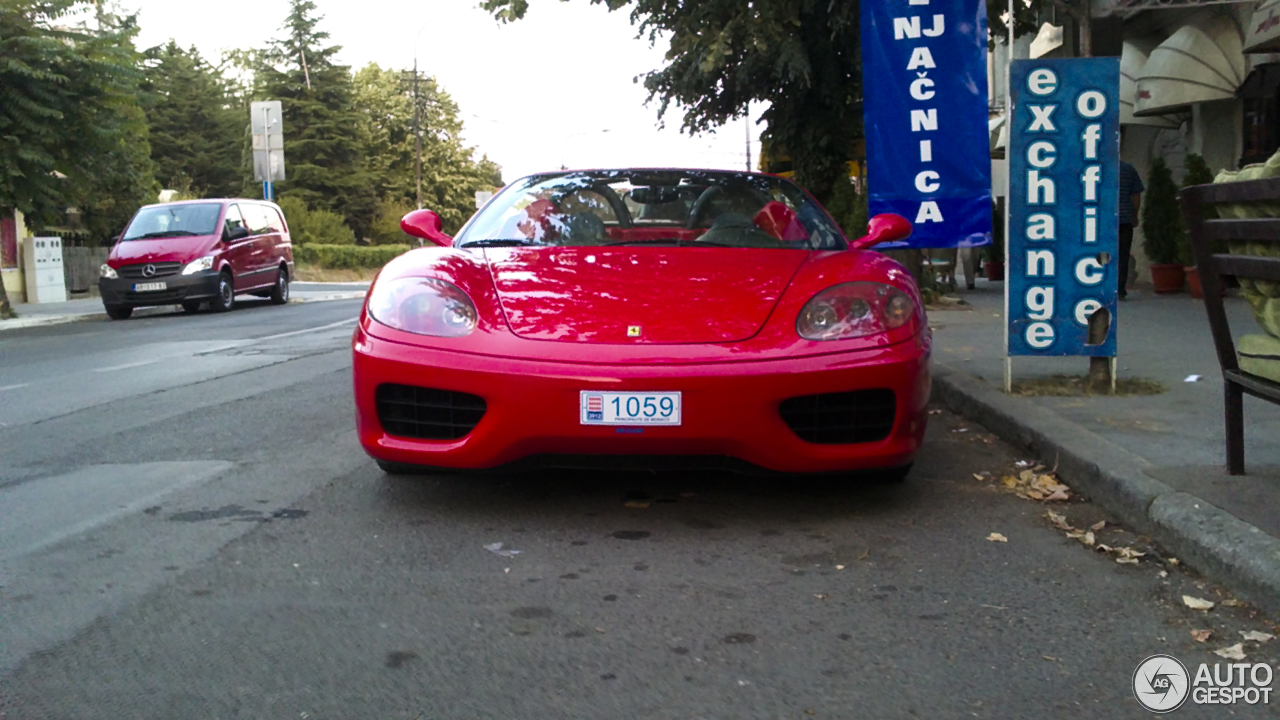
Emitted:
<point x="1078" y="386"/>
<point x="312" y="273"/>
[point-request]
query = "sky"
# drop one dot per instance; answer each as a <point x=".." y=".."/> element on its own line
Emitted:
<point x="555" y="88"/>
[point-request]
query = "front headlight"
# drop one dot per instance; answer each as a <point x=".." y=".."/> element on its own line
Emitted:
<point x="195" y="266"/>
<point x="423" y="306"/>
<point x="854" y="309"/>
<point x="107" y="272"/>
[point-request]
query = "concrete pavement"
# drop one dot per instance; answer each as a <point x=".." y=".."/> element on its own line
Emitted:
<point x="1155" y="460"/>
<point x="36" y="315"/>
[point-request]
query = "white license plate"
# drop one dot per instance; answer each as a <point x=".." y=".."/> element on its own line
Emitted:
<point x="145" y="287"/>
<point x="630" y="408"/>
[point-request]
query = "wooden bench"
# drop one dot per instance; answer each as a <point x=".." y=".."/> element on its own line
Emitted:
<point x="1212" y="268"/>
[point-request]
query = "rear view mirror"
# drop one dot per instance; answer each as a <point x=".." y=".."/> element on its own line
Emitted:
<point x="239" y="232"/>
<point x="883" y="228"/>
<point x="426" y="225"/>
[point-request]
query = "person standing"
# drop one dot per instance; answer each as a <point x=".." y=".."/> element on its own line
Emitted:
<point x="1131" y="189"/>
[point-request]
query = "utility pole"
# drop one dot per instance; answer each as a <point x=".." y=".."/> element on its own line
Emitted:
<point x="417" y="138"/>
<point x="748" y="121"/>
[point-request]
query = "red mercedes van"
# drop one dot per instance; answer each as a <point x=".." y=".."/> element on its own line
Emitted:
<point x="198" y="251"/>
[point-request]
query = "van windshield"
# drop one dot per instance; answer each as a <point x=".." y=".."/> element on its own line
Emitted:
<point x="174" y="220"/>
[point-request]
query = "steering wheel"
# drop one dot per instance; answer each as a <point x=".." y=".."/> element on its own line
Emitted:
<point x="700" y="206"/>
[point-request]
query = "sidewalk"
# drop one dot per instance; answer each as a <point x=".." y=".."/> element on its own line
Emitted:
<point x="1157" y="461"/>
<point x="33" y="315"/>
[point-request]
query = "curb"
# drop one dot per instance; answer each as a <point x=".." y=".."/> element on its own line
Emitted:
<point x="21" y="323"/>
<point x="1208" y="538"/>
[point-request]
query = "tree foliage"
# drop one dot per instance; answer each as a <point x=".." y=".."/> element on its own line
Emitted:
<point x="450" y="173"/>
<point x="1161" y="217"/>
<point x="196" y="124"/>
<point x="71" y="131"/>
<point x="325" y="158"/>
<point x="803" y="57"/>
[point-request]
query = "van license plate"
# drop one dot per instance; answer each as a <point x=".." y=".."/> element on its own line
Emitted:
<point x="147" y="287"/>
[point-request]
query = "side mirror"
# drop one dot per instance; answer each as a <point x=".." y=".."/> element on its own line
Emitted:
<point x="883" y="228"/>
<point x="426" y="225"/>
<point x="238" y="233"/>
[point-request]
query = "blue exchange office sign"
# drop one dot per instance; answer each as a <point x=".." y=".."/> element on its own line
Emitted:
<point x="1064" y="172"/>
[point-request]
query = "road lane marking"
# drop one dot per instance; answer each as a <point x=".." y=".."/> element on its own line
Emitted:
<point x="126" y="366"/>
<point x="254" y="341"/>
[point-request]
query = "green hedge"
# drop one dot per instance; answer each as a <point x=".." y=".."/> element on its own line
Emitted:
<point x="347" y="257"/>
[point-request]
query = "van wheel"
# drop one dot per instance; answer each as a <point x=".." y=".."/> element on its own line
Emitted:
<point x="280" y="293"/>
<point x="115" y="312"/>
<point x="395" y="468"/>
<point x="225" y="299"/>
<point x="190" y="307"/>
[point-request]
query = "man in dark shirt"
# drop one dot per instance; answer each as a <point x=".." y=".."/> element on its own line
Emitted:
<point x="1131" y="189"/>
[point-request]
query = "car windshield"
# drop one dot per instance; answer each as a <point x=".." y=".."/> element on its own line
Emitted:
<point x="653" y="207"/>
<point x="174" y="220"/>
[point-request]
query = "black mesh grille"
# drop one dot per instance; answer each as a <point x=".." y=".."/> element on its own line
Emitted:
<point x="841" y="418"/>
<point x="427" y="414"/>
<point x="161" y="269"/>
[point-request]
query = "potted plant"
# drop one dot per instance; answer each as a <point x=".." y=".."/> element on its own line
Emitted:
<point x="1198" y="173"/>
<point x="993" y="263"/>
<point x="1163" y="230"/>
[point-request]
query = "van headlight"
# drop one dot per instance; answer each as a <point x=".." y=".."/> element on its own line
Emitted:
<point x="195" y="266"/>
<point x="107" y="272"/>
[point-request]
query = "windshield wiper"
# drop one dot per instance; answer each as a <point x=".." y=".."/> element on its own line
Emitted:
<point x="653" y="241"/>
<point x="500" y="243"/>
<point x="167" y="233"/>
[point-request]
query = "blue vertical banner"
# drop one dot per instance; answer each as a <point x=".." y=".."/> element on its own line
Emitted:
<point x="924" y="89"/>
<point x="1064" y="181"/>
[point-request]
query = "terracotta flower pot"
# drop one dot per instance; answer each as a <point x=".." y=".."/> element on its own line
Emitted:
<point x="1168" y="278"/>
<point x="1193" y="282"/>
<point x="993" y="269"/>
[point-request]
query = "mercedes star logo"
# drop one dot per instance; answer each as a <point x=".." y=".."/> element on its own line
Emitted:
<point x="148" y="270"/>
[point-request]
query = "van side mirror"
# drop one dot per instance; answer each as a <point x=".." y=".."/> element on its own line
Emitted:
<point x="239" y="232"/>
<point x="426" y="225"/>
<point x="883" y="228"/>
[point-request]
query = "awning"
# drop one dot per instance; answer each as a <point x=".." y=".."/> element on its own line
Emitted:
<point x="1262" y="82"/>
<point x="1132" y="59"/>
<point x="1263" y="32"/>
<point x="997" y="133"/>
<point x="1196" y="64"/>
<point x="1047" y="40"/>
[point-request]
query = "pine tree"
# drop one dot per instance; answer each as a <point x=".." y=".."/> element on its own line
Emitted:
<point x="322" y="144"/>
<point x="1161" y="217"/>
<point x="196" y="126"/>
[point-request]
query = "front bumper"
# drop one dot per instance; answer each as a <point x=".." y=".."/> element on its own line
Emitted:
<point x="118" y="292"/>
<point x="729" y="409"/>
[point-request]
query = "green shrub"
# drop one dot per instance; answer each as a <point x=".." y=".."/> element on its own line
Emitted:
<point x="320" y="227"/>
<point x="386" y="223"/>
<point x="347" y="257"/>
<point x="849" y="209"/>
<point x="1166" y="241"/>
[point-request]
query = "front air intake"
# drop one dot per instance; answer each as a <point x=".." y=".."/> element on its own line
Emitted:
<point x="427" y="413"/>
<point x="841" y="418"/>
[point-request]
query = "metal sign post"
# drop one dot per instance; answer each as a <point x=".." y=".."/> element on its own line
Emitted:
<point x="267" y="125"/>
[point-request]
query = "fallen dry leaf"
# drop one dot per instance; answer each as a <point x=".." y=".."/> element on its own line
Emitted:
<point x="1009" y="481"/>
<point x="1196" y="603"/>
<point x="1088" y="538"/>
<point x="1201" y="635"/>
<point x="839" y="567"/>
<point x="820" y="596"/>
<point x="935" y="412"/>
<point x="1163" y="574"/>
<point x="1059" y="521"/>
<point x="997" y="537"/>
<point x="1235" y="652"/>
<point x="1231" y="602"/>
<point x="1255" y="636"/>
<point x="637" y="504"/>
<point x="1098" y="525"/>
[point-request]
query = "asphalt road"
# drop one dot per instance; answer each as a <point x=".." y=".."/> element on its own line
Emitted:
<point x="188" y="529"/>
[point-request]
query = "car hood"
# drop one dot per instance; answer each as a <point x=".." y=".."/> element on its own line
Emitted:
<point x="640" y="294"/>
<point x="173" y="249"/>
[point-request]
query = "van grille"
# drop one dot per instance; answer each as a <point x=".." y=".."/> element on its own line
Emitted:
<point x="426" y="413"/>
<point x="134" y="272"/>
<point x="841" y="418"/>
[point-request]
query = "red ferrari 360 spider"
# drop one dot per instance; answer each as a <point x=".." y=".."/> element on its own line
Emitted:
<point x="697" y="315"/>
